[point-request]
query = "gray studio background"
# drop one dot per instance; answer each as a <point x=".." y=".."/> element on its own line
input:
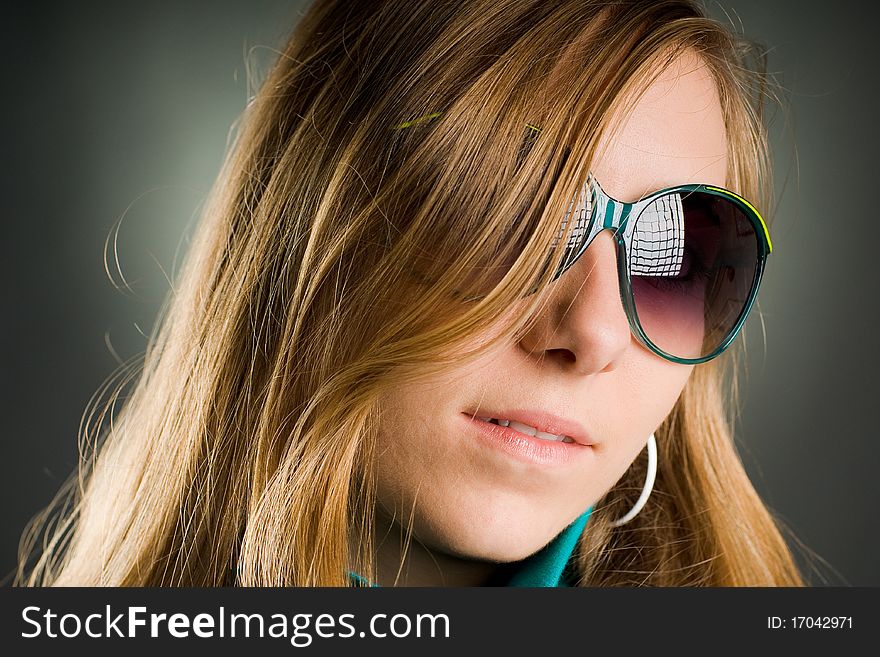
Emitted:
<point x="119" y="111"/>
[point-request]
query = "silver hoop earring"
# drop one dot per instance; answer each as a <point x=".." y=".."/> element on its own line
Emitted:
<point x="649" y="484"/>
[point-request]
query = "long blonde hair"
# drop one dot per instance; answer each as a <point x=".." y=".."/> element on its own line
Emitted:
<point x="338" y="257"/>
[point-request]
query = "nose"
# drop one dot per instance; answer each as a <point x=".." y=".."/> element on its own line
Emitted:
<point x="584" y="326"/>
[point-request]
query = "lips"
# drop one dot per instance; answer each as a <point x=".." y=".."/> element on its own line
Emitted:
<point x="536" y="422"/>
<point x="528" y="430"/>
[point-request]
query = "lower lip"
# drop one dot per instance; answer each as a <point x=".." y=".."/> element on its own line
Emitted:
<point x="529" y="449"/>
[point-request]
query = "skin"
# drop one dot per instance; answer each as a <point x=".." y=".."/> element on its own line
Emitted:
<point x="477" y="506"/>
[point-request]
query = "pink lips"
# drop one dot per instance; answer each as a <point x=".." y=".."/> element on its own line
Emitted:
<point x="542" y="421"/>
<point x="532" y="449"/>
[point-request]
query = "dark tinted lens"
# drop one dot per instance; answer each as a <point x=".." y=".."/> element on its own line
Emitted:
<point x="693" y="264"/>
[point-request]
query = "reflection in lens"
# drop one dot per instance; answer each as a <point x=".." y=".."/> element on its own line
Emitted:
<point x="580" y="215"/>
<point x="692" y="264"/>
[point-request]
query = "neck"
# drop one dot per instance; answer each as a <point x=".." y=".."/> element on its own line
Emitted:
<point x="410" y="563"/>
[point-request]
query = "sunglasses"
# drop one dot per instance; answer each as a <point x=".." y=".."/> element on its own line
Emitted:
<point x="690" y="260"/>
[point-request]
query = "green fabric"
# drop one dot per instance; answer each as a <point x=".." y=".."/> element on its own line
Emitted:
<point x="546" y="568"/>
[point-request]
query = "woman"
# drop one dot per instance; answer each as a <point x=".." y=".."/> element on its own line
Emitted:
<point x="459" y="312"/>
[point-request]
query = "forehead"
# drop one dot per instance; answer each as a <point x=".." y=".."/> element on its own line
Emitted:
<point x="674" y="134"/>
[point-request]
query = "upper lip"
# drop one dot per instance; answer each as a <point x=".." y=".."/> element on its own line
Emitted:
<point x="542" y="421"/>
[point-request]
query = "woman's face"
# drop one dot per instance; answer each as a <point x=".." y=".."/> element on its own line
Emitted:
<point x="475" y="496"/>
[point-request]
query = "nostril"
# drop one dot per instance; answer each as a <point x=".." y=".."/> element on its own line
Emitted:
<point x="564" y="355"/>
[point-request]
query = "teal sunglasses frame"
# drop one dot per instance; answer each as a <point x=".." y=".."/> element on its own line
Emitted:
<point x="620" y="218"/>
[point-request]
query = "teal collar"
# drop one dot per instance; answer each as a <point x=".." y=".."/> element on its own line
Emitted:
<point x="548" y="567"/>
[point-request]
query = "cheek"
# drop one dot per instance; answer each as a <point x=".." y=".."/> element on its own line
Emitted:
<point x="652" y="389"/>
<point x="414" y="454"/>
<point x="668" y="380"/>
<point x="402" y="435"/>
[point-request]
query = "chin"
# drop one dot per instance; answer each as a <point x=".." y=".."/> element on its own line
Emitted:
<point x="499" y="533"/>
